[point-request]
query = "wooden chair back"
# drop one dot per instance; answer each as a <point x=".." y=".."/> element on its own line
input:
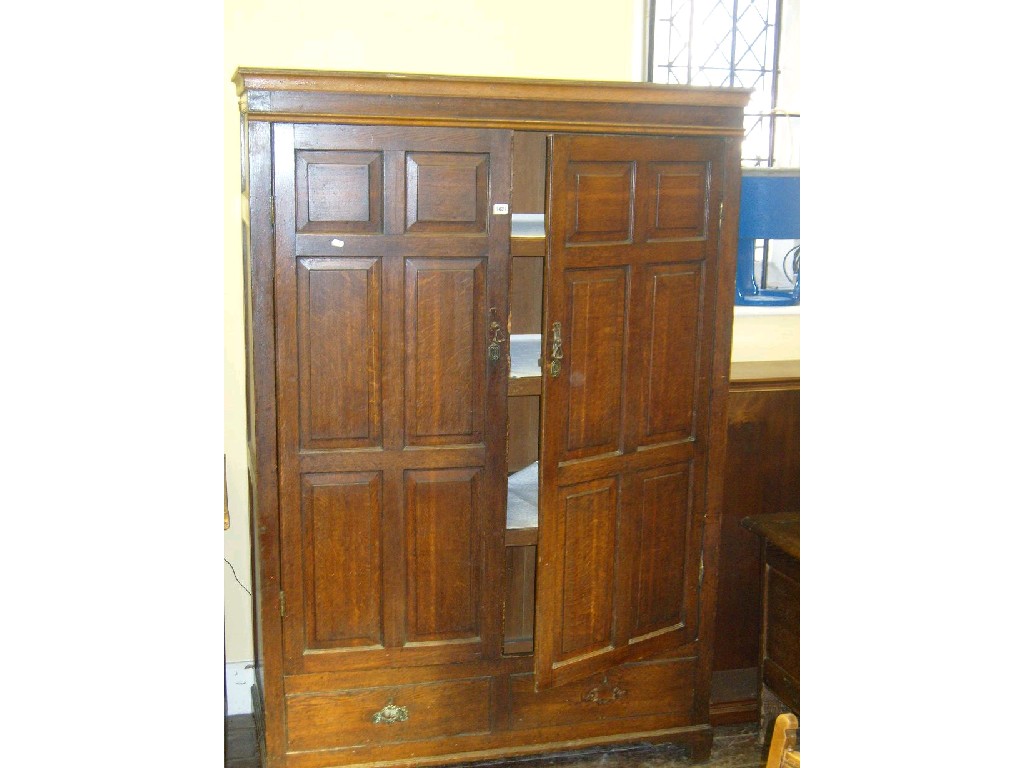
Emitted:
<point x="784" y="752"/>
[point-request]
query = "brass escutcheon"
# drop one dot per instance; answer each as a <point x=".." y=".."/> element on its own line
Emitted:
<point x="391" y="714"/>
<point x="594" y="694"/>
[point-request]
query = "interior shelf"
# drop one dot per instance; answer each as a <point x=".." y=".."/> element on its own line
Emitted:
<point x="528" y="236"/>
<point x="525" y="352"/>
<point x="528" y="239"/>
<point x="528" y="225"/>
<point x="521" y="511"/>
<point x="524" y="374"/>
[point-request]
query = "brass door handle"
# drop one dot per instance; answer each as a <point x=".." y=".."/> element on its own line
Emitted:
<point x="497" y="336"/>
<point x="555" y="364"/>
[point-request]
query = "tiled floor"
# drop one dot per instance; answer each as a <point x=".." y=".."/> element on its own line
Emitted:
<point x="733" y="747"/>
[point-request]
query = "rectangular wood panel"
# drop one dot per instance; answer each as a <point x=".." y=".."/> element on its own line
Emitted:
<point x="595" y="342"/>
<point x="443" y="535"/>
<point x="339" y="347"/>
<point x="341" y="521"/>
<point x="589" y="514"/>
<point x="445" y="364"/>
<point x="671" y="355"/>
<point x="661" y="566"/>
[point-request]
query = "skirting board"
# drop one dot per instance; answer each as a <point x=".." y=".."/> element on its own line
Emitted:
<point x="239" y="677"/>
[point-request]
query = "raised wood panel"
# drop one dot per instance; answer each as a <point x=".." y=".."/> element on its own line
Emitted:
<point x="446" y="192"/>
<point x="678" y="200"/>
<point x="445" y="367"/>
<point x="662" y="601"/>
<point x="600" y="203"/>
<point x="669" y="385"/>
<point x="594" y="347"/>
<point x="345" y="718"/>
<point x="339" y="191"/>
<point x="340" y="356"/>
<point x="443" y="535"/>
<point x="342" y="569"/>
<point x="588" y="513"/>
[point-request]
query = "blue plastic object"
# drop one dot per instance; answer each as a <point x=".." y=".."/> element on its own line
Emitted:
<point x="769" y="209"/>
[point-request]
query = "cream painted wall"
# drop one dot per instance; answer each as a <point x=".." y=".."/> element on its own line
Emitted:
<point x="577" y="39"/>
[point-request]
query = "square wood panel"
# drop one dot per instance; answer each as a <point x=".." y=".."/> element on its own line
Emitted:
<point x="601" y="202"/>
<point x="678" y="201"/>
<point x="446" y="192"/>
<point x="338" y="191"/>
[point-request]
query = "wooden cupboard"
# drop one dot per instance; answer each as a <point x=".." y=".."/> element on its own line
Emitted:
<point x="488" y="327"/>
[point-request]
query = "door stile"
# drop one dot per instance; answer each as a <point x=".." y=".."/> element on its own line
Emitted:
<point x="497" y="331"/>
<point x="290" y="494"/>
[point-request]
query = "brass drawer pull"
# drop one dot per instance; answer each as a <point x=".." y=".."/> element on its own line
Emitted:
<point x="594" y="694"/>
<point x="391" y="714"/>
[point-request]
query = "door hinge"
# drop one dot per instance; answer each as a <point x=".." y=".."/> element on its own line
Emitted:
<point x="273" y="216"/>
<point x="700" y="572"/>
<point x="282" y="599"/>
<point x="721" y="214"/>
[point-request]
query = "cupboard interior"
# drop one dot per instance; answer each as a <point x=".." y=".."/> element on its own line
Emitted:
<point x="529" y="175"/>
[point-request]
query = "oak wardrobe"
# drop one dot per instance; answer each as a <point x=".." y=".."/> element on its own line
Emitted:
<point x="488" y="329"/>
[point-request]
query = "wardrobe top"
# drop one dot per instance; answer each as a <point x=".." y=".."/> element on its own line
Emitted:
<point x="529" y="104"/>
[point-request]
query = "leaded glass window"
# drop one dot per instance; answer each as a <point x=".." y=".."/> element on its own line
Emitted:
<point x="730" y="43"/>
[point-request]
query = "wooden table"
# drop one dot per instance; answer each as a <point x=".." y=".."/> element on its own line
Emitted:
<point x="780" y="584"/>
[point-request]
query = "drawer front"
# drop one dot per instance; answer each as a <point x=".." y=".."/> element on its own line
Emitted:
<point x="782" y="625"/>
<point x="647" y="688"/>
<point x="388" y="714"/>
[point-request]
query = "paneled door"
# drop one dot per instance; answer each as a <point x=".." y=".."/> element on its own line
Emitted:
<point x="390" y="268"/>
<point x="630" y="281"/>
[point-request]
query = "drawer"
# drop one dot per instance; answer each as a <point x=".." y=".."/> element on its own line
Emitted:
<point x="647" y="688"/>
<point x="388" y="714"/>
<point x="782" y="621"/>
